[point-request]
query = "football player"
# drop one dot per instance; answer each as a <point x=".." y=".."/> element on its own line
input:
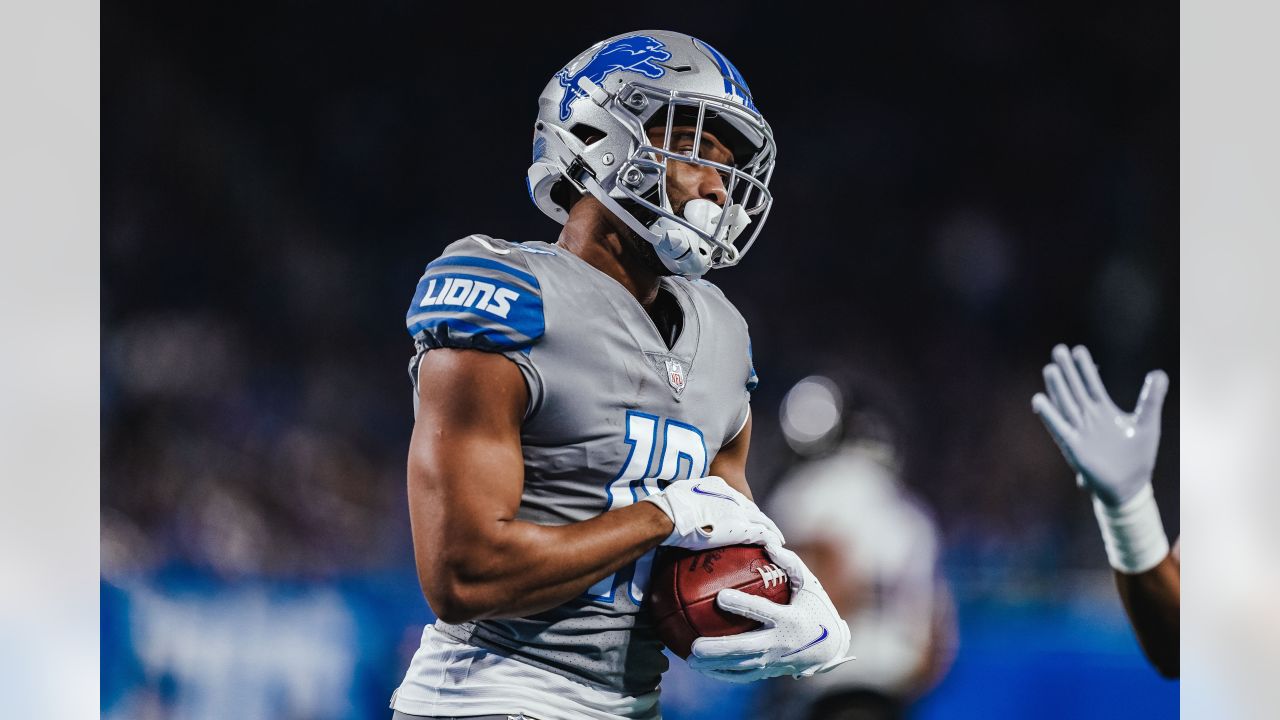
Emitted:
<point x="847" y="511"/>
<point x="1113" y="454"/>
<point x="581" y="403"/>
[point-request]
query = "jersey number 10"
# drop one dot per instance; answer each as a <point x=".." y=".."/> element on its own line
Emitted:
<point x="649" y="467"/>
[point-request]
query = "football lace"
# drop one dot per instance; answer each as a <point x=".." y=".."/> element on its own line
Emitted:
<point x="771" y="575"/>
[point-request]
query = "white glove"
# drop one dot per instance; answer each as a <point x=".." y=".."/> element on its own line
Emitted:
<point x="707" y="513"/>
<point x="802" y="638"/>
<point x="1112" y="452"/>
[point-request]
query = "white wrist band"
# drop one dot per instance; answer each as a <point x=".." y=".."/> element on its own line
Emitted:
<point x="1132" y="532"/>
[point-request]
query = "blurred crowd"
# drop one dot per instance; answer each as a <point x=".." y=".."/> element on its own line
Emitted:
<point x="957" y="190"/>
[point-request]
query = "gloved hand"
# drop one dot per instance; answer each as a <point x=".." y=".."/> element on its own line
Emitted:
<point x="707" y="513"/>
<point x="802" y="638"/>
<point x="1112" y="452"/>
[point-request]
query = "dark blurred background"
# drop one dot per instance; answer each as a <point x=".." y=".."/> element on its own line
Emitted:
<point x="960" y="185"/>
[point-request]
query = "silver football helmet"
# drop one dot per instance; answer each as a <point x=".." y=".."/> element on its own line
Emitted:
<point x="591" y="136"/>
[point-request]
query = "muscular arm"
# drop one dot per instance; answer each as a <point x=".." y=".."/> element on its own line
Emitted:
<point x="731" y="462"/>
<point x="466" y="475"/>
<point x="1153" y="599"/>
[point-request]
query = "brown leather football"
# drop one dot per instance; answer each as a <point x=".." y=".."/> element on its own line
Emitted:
<point x="683" y="587"/>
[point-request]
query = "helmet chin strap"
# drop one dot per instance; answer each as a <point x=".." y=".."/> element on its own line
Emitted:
<point x="588" y="181"/>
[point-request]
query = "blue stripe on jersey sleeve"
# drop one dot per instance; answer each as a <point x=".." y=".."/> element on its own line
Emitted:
<point x="753" y="380"/>
<point x="452" y="332"/>
<point x="462" y="310"/>
<point x="486" y="264"/>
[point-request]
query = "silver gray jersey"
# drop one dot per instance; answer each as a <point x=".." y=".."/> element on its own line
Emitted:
<point x="614" y="414"/>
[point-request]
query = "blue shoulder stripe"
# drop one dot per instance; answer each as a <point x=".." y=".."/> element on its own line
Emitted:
<point x="440" y="332"/>
<point x="487" y="264"/>
<point x="525" y="320"/>
<point x="486" y="299"/>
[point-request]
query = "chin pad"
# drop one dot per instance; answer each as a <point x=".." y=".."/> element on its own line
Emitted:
<point x="684" y="251"/>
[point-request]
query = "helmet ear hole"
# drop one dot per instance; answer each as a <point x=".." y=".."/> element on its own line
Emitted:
<point x="587" y="134"/>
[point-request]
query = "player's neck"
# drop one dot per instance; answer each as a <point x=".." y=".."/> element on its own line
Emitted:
<point x="597" y="238"/>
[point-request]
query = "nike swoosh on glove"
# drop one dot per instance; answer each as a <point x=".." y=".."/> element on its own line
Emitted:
<point x="707" y="513"/>
<point x="802" y="638"/>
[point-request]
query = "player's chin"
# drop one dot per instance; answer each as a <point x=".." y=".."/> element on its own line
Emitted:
<point x="647" y="254"/>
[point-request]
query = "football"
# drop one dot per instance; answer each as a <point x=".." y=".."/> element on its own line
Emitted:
<point x="683" y="587"/>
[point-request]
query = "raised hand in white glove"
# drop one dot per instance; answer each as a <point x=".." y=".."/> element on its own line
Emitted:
<point x="707" y="513"/>
<point x="1112" y="452"/>
<point x="802" y="638"/>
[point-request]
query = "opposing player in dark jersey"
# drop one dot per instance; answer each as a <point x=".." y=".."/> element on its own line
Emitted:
<point x="581" y="403"/>
<point x="1113" y="454"/>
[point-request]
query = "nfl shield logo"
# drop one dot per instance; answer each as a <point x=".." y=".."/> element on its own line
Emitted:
<point x="675" y="374"/>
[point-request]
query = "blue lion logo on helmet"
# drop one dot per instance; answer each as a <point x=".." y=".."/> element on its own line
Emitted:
<point x="638" y="53"/>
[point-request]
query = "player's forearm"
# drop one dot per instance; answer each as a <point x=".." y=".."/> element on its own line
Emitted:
<point x="1146" y="572"/>
<point x="514" y="568"/>
<point x="1153" y="600"/>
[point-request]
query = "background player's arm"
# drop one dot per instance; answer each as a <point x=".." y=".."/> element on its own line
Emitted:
<point x="1152" y="600"/>
<point x="1114" y="455"/>
<point x="466" y="475"/>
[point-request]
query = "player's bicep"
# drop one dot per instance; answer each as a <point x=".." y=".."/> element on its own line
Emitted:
<point x="731" y="462"/>
<point x="466" y="470"/>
